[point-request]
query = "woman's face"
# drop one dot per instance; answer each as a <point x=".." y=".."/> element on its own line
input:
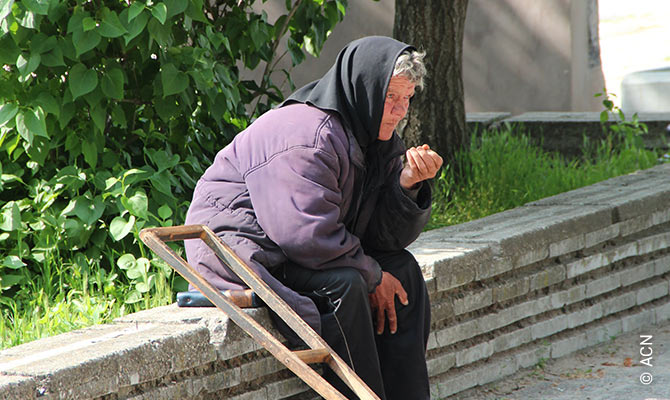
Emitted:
<point x="399" y="92"/>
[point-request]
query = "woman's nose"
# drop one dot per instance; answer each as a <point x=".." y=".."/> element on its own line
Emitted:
<point x="400" y="107"/>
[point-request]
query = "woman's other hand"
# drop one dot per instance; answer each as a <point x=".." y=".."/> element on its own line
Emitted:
<point x="422" y="163"/>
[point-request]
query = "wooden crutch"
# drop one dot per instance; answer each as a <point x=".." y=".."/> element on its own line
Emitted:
<point x="296" y="361"/>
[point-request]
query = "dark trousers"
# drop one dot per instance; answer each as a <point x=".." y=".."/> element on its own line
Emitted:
<point x="392" y="365"/>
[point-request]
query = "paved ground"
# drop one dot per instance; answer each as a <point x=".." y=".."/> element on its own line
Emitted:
<point x="612" y="370"/>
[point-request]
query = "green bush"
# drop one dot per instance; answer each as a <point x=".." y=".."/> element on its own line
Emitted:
<point x="109" y="112"/>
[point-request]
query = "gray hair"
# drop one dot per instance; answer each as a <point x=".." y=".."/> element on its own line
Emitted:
<point x="411" y="66"/>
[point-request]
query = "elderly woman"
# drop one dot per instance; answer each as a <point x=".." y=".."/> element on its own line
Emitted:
<point x="315" y="198"/>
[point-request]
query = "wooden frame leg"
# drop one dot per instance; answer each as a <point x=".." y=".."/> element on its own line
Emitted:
<point x="296" y="361"/>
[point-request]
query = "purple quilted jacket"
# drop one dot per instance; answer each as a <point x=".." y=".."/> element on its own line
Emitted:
<point x="281" y="191"/>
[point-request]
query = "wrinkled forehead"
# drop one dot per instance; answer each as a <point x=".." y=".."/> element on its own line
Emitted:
<point x="401" y="85"/>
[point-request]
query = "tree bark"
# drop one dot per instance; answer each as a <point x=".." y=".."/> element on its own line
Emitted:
<point x="437" y="114"/>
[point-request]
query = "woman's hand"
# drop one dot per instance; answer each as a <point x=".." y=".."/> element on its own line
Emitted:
<point x="422" y="163"/>
<point x="382" y="302"/>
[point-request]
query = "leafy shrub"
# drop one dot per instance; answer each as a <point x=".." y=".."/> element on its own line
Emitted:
<point x="109" y="112"/>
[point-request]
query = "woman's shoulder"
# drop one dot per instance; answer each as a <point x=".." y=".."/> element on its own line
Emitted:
<point x="299" y="125"/>
<point x="286" y="130"/>
<point x="306" y="116"/>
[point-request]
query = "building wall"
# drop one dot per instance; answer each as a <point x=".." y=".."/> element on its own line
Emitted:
<point x="518" y="55"/>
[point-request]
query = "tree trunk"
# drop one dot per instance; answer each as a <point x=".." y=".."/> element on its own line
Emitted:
<point x="437" y="114"/>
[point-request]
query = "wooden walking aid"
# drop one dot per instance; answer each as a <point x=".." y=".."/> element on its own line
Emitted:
<point x="296" y="361"/>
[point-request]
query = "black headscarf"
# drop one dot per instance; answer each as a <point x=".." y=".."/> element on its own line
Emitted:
<point x="355" y="86"/>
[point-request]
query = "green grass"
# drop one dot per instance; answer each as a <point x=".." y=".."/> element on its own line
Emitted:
<point x="68" y="295"/>
<point x="503" y="170"/>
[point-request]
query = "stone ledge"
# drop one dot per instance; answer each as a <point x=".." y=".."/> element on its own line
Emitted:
<point x="228" y="339"/>
<point x="18" y="387"/>
<point x="555" y="301"/>
<point x="517" y="257"/>
<point x="564" y="131"/>
<point x="99" y="360"/>
<point x="479" y="121"/>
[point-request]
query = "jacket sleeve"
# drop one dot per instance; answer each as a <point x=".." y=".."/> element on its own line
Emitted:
<point x="297" y="201"/>
<point x="397" y="219"/>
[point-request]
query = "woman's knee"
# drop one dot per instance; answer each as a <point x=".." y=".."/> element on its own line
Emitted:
<point x="350" y="280"/>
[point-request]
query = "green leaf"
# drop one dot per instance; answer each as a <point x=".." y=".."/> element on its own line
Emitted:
<point x="297" y="56"/>
<point x="7" y="281"/>
<point x="37" y="6"/>
<point x="110" y="26"/>
<point x="126" y="261"/>
<point x="81" y="80"/>
<point x="90" y="151"/>
<point x="134" y="10"/>
<point x="143" y="264"/>
<point x="42" y="43"/>
<point x="142" y="287"/>
<point x="48" y="103"/>
<point x="135" y="26"/>
<point x="22" y="127"/>
<point x="95" y="97"/>
<point x="259" y="34"/>
<point x="28" y="20"/>
<point x="7" y="112"/>
<point x="99" y="116"/>
<point x="10" y="51"/>
<point x="161" y="182"/>
<point x="54" y="58"/>
<point x="310" y="48"/>
<point x="119" y="117"/>
<point x="160" y="33"/>
<point x="341" y="6"/>
<point x="74" y="229"/>
<point x="75" y="23"/>
<point x="137" y="204"/>
<point x="88" y="24"/>
<point x="35" y="122"/>
<point x="5" y="8"/>
<point x="85" y="41"/>
<point x="159" y="11"/>
<point x="27" y="66"/>
<point x="166" y="108"/>
<point x="175" y="7"/>
<point x="67" y="111"/>
<point x="120" y="227"/>
<point x="10" y="219"/>
<point x="135" y="272"/>
<point x="604" y="117"/>
<point x="194" y="11"/>
<point x="13" y="262"/>
<point x="332" y="14"/>
<point x="164" y="211"/>
<point x="85" y="209"/>
<point x="173" y="80"/>
<point x="112" y="83"/>
<point x="161" y="159"/>
<point x="39" y="150"/>
<point x="67" y="47"/>
<point x="133" y="297"/>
